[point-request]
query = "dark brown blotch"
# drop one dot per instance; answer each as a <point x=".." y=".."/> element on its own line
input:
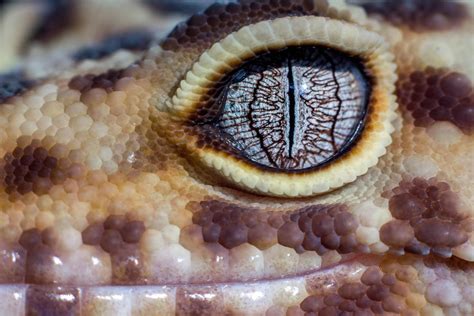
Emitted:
<point x="419" y="15"/>
<point x="114" y="233"/>
<point x="376" y="292"/>
<point x="438" y="94"/>
<point x="52" y="300"/>
<point x="427" y="218"/>
<point x="106" y="81"/>
<point x="318" y="228"/>
<point x="33" y="169"/>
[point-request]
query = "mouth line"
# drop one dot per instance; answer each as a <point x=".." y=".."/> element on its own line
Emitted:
<point x="333" y="268"/>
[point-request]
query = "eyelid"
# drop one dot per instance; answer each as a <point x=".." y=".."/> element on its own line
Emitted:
<point x="269" y="36"/>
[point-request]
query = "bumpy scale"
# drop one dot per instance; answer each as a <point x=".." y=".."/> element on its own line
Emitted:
<point x="107" y="205"/>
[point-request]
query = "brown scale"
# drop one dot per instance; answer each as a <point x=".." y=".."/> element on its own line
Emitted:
<point x="435" y="95"/>
<point x="317" y="228"/>
<point x="375" y="293"/>
<point x="52" y="300"/>
<point x="34" y="169"/>
<point x="155" y="153"/>
<point x="419" y="15"/>
<point x="119" y="237"/>
<point x="40" y="255"/>
<point x="427" y="218"/>
<point x="201" y="30"/>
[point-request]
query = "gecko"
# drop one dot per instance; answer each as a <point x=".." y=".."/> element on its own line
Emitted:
<point x="272" y="157"/>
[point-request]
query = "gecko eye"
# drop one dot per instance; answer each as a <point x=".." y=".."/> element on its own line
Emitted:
<point x="295" y="106"/>
<point x="291" y="110"/>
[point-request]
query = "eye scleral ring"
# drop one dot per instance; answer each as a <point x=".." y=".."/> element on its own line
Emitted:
<point x="290" y="179"/>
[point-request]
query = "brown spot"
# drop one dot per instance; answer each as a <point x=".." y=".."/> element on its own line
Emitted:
<point x="435" y="95"/>
<point x="419" y="15"/>
<point x="33" y="169"/>
<point x="371" y="294"/>
<point x="104" y="81"/>
<point x="52" y="300"/>
<point x="113" y="233"/>
<point x="120" y="238"/>
<point x="428" y="218"/>
<point x="199" y="301"/>
<point x="229" y="224"/>
<point x="315" y="228"/>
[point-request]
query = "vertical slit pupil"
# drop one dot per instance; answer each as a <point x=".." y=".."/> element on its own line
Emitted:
<point x="292" y="109"/>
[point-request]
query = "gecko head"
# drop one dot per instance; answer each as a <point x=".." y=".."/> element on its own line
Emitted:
<point x="275" y="156"/>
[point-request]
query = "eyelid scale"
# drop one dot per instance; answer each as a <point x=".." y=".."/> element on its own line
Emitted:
<point x="373" y="52"/>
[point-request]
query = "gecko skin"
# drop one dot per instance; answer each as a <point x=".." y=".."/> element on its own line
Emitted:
<point x="116" y="200"/>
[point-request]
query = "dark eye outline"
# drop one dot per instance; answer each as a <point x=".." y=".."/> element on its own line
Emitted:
<point x="206" y="117"/>
<point x="232" y="51"/>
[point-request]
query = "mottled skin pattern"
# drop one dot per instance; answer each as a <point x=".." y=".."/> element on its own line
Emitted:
<point x="104" y="211"/>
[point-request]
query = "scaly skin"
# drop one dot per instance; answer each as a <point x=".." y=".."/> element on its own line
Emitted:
<point x="105" y="211"/>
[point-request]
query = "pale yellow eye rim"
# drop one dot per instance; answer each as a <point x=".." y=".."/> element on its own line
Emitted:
<point x="266" y="36"/>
